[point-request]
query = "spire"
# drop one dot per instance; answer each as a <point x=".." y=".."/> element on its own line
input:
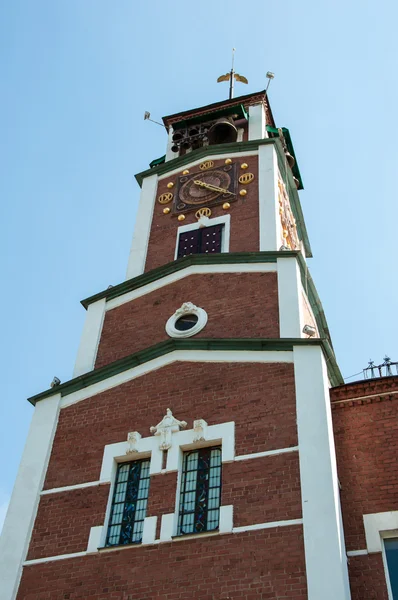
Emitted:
<point x="231" y="76"/>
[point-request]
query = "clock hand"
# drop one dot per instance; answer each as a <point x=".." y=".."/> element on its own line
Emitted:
<point x="211" y="187"/>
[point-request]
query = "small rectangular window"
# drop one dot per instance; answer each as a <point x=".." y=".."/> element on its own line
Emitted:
<point x="391" y="549"/>
<point x="206" y="240"/>
<point x="200" y="495"/>
<point x="129" y="503"/>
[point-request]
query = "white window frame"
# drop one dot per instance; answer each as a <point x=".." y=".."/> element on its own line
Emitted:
<point x="216" y="435"/>
<point x="206" y="222"/>
<point x="386" y="535"/>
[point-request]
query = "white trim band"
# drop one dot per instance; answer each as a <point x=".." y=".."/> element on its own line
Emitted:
<point x="266" y="453"/>
<point x="269" y="525"/>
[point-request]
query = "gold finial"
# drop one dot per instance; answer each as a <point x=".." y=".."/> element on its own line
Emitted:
<point x="231" y="76"/>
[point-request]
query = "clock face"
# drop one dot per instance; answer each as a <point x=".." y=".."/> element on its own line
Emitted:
<point x="205" y="188"/>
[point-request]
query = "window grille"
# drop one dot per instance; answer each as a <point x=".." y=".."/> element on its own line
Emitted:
<point x="200" y="241"/>
<point x="129" y="503"/>
<point x="200" y="491"/>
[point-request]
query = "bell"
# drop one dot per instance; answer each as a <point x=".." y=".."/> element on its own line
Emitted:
<point x="186" y="144"/>
<point x="290" y="159"/>
<point x="193" y="131"/>
<point x="174" y="148"/>
<point x="177" y="136"/>
<point x="223" y="131"/>
<point x="296" y="181"/>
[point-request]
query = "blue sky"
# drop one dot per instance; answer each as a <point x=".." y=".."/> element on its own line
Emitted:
<point x="77" y="76"/>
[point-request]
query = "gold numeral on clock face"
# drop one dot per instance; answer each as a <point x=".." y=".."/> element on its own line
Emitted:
<point x="165" y="198"/>
<point x="208" y="164"/>
<point x="203" y="212"/>
<point x="246" y="178"/>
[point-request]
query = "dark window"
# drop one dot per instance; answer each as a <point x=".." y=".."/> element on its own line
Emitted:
<point x="200" y="241"/>
<point x="200" y="491"/>
<point x="186" y="322"/>
<point x="391" y="548"/>
<point x="129" y="503"/>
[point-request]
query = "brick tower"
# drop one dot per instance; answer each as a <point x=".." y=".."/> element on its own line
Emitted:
<point x="192" y="453"/>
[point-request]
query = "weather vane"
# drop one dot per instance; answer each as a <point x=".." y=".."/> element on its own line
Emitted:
<point x="231" y="76"/>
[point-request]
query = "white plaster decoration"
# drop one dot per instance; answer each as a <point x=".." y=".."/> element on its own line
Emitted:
<point x="187" y="272"/>
<point x="167" y="527"/>
<point x="325" y="553"/>
<point x="223" y="434"/>
<point x="133" y="440"/>
<point x="115" y="453"/>
<point x="186" y="309"/>
<point x="378" y="526"/>
<point x="269" y="525"/>
<point x="257" y="124"/>
<point x="94" y="539"/>
<point x="149" y="530"/>
<point x="26" y="494"/>
<point x="142" y="228"/>
<point x="240" y="134"/>
<point x="200" y="430"/>
<point x="232" y="356"/>
<point x="165" y="428"/>
<point x="89" y="341"/>
<point x="226" y="519"/>
<point x="224" y="220"/>
<point x="291" y="320"/>
<point x="270" y="223"/>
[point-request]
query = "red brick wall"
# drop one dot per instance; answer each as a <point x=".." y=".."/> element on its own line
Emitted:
<point x="367" y="577"/>
<point x="366" y="437"/>
<point x="366" y="427"/>
<point x="260" y="398"/>
<point x="244" y="219"/>
<point x="263" y="564"/>
<point x="251" y="310"/>
<point x="64" y="521"/>
<point x="263" y="489"/>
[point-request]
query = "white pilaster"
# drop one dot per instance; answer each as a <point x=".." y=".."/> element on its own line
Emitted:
<point x="268" y="198"/>
<point x="89" y="341"/>
<point x="25" y="496"/>
<point x="257" y="122"/>
<point x="325" y="554"/>
<point x="142" y="229"/>
<point x="289" y="298"/>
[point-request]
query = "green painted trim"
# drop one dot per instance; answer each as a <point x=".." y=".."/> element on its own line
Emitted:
<point x="227" y="258"/>
<point x="181" y="161"/>
<point x="162" y="348"/>
<point x="239" y="147"/>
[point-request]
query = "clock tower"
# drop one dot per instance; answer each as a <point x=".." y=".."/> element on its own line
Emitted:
<point x="191" y="454"/>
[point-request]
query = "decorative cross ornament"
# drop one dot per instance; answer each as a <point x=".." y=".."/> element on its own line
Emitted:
<point x="165" y="428"/>
<point x="133" y="439"/>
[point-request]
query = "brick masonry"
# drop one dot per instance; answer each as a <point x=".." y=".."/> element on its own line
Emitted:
<point x="251" y="311"/>
<point x="260" y="398"/>
<point x="247" y="566"/>
<point x="244" y="219"/>
<point x="365" y="419"/>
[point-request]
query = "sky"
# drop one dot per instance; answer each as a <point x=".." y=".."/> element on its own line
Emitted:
<point x="76" y="78"/>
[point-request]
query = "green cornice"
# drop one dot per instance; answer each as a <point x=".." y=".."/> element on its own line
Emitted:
<point x="239" y="147"/>
<point x="162" y="348"/>
<point x="227" y="258"/>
